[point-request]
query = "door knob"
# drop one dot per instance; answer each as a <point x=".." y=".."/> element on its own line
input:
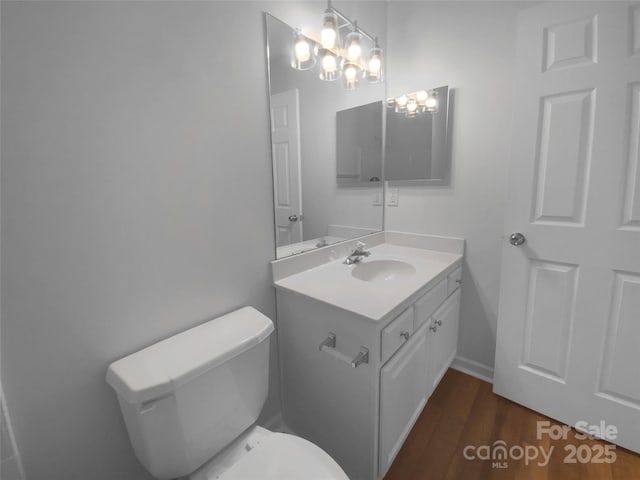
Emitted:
<point x="517" y="239"/>
<point x="293" y="218"/>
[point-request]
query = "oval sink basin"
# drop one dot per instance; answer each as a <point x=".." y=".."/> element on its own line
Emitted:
<point x="382" y="270"/>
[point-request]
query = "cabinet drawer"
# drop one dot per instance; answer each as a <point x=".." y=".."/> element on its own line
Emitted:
<point x="455" y="278"/>
<point x="394" y="335"/>
<point x="428" y="303"/>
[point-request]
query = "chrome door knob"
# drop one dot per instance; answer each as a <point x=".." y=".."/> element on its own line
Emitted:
<point x="293" y="218"/>
<point x="517" y="239"/>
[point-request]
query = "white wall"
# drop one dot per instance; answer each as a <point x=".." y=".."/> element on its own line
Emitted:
<point x="135" y="204"/>
<point x="470" y="47"/>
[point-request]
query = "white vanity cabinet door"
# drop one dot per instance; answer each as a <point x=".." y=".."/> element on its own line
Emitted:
<point x="402" y="396"/>
<point x="443" y="342"/>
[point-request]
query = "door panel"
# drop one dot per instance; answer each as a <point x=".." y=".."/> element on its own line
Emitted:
<point x="568" y="328"/>
<point x="570" y="43"/>
<point x="619" y="379"/>
<point x="564" y="138"/>
<point x="631" y="207"/>
<point x="549" y="317"/>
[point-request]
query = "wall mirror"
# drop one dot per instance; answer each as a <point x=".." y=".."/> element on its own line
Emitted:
<point x="313" y="209"/>
<point x="418" y="142"/>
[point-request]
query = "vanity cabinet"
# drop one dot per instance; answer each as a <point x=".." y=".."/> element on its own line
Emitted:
<point x="361" y="416"/>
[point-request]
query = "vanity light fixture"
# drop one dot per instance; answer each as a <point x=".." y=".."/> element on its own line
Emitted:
<point x="335" y="59"/>
<point x="414" y="103"/>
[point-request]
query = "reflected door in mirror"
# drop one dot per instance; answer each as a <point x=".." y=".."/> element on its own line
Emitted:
<point x="285" y="139"/>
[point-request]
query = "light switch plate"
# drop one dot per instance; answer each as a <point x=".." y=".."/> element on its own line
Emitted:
<point x="377" y="199"/>
<point x="392" y="197"/>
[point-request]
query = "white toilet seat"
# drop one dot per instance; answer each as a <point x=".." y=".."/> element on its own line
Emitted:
<point x="285" y="457"/>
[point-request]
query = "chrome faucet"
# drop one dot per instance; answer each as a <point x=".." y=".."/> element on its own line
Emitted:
<point x="357" y="254"/>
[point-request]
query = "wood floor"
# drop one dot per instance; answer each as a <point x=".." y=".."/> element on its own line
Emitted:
<point x="464" y="411"/>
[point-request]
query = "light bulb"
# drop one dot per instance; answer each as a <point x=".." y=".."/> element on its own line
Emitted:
<point x="329" y="63"/>
<point x="374" y="65"/>
<point x="431" y="105"/>
<point x="401" y="103"/>
<point x="303" y="51"/>
<point x="329" y="37"/>
<point x="421" y="97"/>
<point x="303" y="54"/>
<point x="354" y="51"/>
<point x="350" y="72"/>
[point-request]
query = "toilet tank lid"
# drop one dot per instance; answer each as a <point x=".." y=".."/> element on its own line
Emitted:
<point x="159" y="369"/>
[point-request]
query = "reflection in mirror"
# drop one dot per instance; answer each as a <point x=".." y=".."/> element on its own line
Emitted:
<point x="311" y="209"/>
<point x="417" y="146"/>
<point x="359" y="144"/>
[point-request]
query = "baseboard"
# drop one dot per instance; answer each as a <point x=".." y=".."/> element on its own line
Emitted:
<point x="473" y="368"/>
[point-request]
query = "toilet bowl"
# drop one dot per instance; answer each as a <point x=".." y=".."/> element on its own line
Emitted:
<point x="190" y="405"/>
<point x="264" y="455"/>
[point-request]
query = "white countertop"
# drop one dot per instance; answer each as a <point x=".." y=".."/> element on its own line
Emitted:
<point x="333" y="282"/>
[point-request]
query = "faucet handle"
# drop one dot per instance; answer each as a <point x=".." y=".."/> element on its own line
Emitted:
<point x="360" y="245"/>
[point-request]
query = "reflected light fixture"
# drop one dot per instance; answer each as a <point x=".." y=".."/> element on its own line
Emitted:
<point x="412" y="104"/>
<point x="335" y="59"/>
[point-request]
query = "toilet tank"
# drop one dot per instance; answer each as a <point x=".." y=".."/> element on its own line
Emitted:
<point x="187" y="397"/>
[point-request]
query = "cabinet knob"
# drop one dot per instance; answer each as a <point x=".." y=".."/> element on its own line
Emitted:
<point x="405" y="335"/>
<point x="433" y="328"/>
<point x="438" y="323"/>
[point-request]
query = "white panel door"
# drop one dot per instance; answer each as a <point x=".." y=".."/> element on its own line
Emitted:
<point x="285" y="144"/>
<point x="568" y="341"/>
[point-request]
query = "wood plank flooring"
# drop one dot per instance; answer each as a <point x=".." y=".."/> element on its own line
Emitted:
<point x="464" y="411"/>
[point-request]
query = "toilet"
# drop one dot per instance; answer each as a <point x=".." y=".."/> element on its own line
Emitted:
<point x="190" y="405"/>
